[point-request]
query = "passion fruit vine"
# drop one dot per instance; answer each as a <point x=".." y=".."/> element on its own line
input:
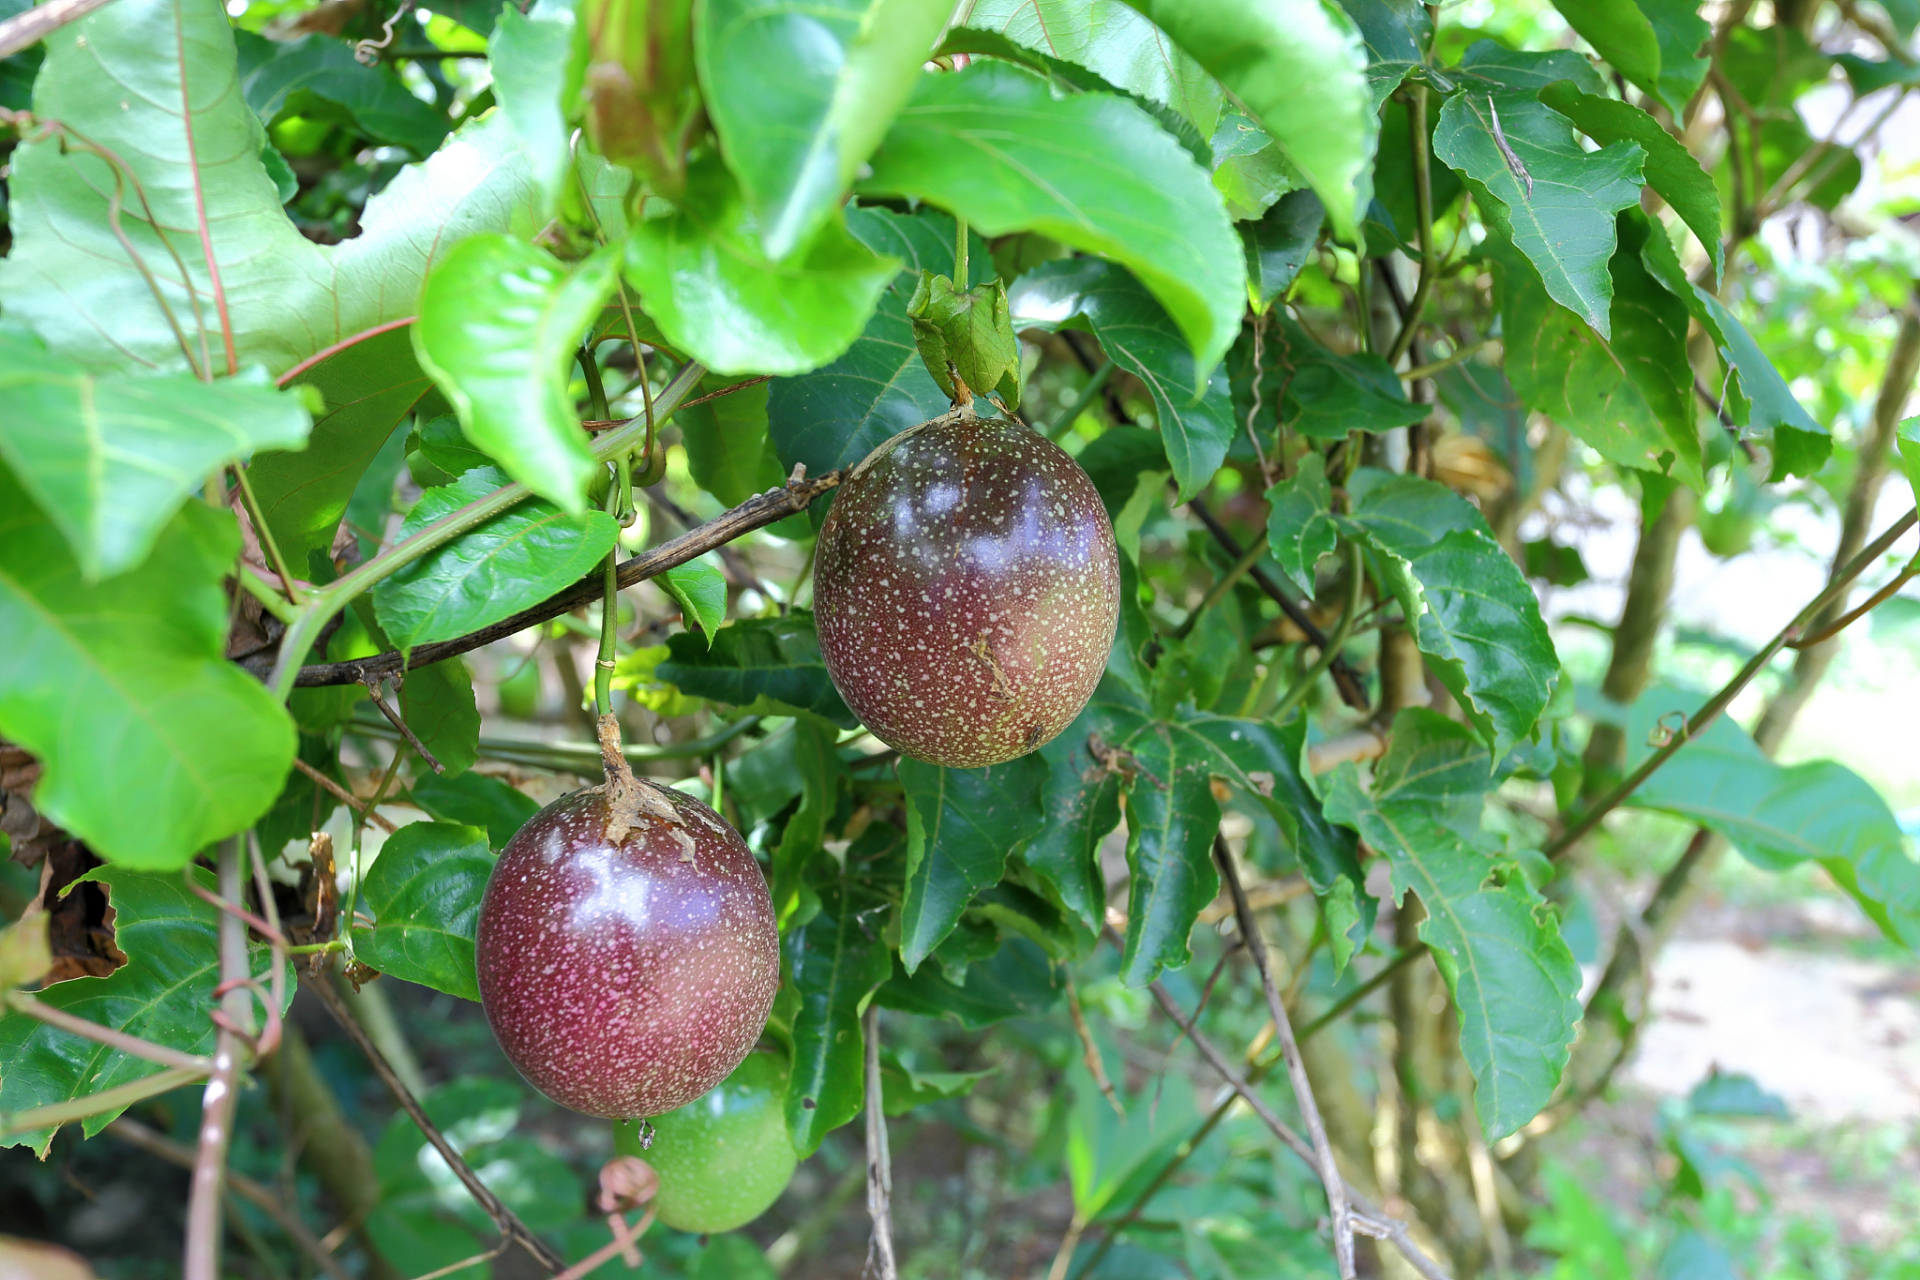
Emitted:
<point x="627" y="949"/>
<point x="966" y="590"/>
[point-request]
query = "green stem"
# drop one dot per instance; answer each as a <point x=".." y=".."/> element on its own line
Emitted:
<point x="93" y="1104"/>
<point x="1355" y="996"/>
<point x="596" y="389"/>
<point x="329" y="600"/>
<point x="1423" y="213"/>
<point x="579" y="758"/>
<point x="609" y="634"/>
<point x="719" y="783"/>
<point x="960" y="254"/>
<point x="1088" y="394"/>
<point x="1432" y="367"/>
<point x="265" y="535"/>
<point x="1356" y="581"/>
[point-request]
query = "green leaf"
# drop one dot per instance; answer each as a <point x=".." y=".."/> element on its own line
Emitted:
<point x="1670" y="168"/>
<point x="425" y="890"/>
<point x="154" y="745"/>
<point x="1263" y="761"/>
<point x="838" y="414"/>
<point x="700" y="589"/>
<point x="1299" y="67"/>
<point x="833" y="963"/>
<point x="1017" y="981"/>
<point x="976" y="142"/>
<point x="1650" y="343"/>
<point x="111" y="458"/>
<point x="318" y="77"/>
<point x="1172" y="818"/>
<point x="1472" y="611"/>
<point x="970" y="330"/>
<point x="537" y="59"/>
<point x="263" y="292"/>
<point x="1396" y="34"/>
<point x="444" y="445"/>
<point x="1558" y="365"/>
<point x="1080" y="806"/>
<point x="475" y="800"/>
<point x="1801" y="444"/>
<point x="499" y="324"/>
<point x="1559" y="209"/>
<point x="437" y="704"/>
<point x="1114" y="42"/>
<point x="1279" y="244"/>
<point x="512" y="561"/>
<point x="1325" y="395"/>
<point x="17" y="70"/>
<point x="1682" y="33"/>
<point x="366" y="386"/>
<point x="961" y="826"/>
<point x="1300" y="524"/>
<point x="820" y="772"/>
<point x="902" y="1088"/>
<point x="1195" y="417"/>
<point x="726" y="442"/>
<point x="795" y="139"/>
<point x="1779" y="816"/>
<point x="1494" y="939"/>
<point x="162" y="994"/>
<point x="716" y="294"/>
<point x="1621" y="35"/>
<point x="768" y="666"/>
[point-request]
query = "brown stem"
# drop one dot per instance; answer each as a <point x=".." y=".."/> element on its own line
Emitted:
<point x="880" y="1263"/>
<point x="202" y="1260"/>
<point x="755" y="513"/>
<point x="1330" y="1178"/>
<point x="395" y="719"/>
<point x="1711" y="709"/>
<point x="1089" y="1051"/>
<point x="153" y="1143"/>
<point x="35" y="25"/>
<point x="504" y="1219"/>
<point x="1375" y="1222"/>
<point x="344" y="796"/>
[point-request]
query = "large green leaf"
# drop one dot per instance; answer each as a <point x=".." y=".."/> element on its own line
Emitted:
<point x="1324" y="394"/>
<point x="838" y="414"/>
<point x="1472" y="611"/>
<point x="1080" y="805"/>
<point x="1494" y="939"/>
<point x="1780" y="816"/>
<point x="537" y="60"/>
<point x="1018" y="980"/>
<point x="796" y="138"/>
<point x="1172" y="818"/>
<point x="1650" y="343"/>
<point x="244" y="286"/>
<point x="513" y="561"/>
<point x="438" y="705"/>
<point x="726" y="442"/>
<point x="716" y="294"/>
<point x="1620" y="34"/>
<point x="366" y="386"/>
<point x="820" y="774"/>
<point x="499" y="324"/>
<point x="1300" y="524"/>
<point x="1558" y="365"/>
<point x="154" y="746"/>
<point x="1300" y="68"/>
<point x="425" y="890"/>
<point x="1682" y="34"/>
<point x="1279" y="244"/>
<point x="765" y="665"/>
<point x="833" y="963"/>
<point x="1116" y="43"/>
<point x="111" y="457"/>
<point x="1558" y="206"/>
<point x="317" y="76"/>
<point x="1195" y="418"/>
<point x="1670" y="168"/>
<point x="961" y="826"/>
<point x="992" y="144"/>
<point x="163" y="993"/>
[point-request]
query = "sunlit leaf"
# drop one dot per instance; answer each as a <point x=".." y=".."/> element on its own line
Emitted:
<point x="425" y="890"/>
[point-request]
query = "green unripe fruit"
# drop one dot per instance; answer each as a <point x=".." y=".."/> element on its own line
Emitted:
<point x="724" y="1158"/>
